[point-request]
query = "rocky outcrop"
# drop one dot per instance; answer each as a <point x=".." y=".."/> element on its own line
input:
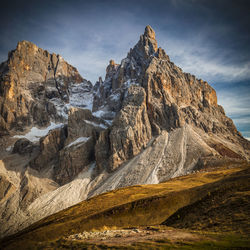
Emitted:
<point x="23" y="146"/>
<point x="69" y="149"/>
<point x="29" y="79"/>
<point x="5" y="187"/>
<point x="129" y="133"/>
<point x="173" y="99"/>
<point x="50" y="146"/>
<point x="74" y="158"/>
<point x="131" y="130"/>
<point x="83" y="131"/>
<point x="81" y="123"/>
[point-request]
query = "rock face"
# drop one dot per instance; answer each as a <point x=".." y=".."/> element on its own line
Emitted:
<point x="29" y="79"/>
<point x="50" y="146"/>
<point x="131" y="130"/>
<point x="172" y="99"/>
<point x="83" y="131"/>
<point x="23" y="146"/>
<point x="145" y="123"/>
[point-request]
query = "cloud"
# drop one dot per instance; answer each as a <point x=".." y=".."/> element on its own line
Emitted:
<point x="236" y="101"/>
<point x="90" y="49"/>
<point x="205" y="61"/>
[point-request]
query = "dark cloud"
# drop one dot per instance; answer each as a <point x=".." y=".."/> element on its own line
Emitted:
<point x="210" y="39"/>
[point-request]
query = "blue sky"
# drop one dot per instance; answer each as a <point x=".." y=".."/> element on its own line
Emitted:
<point x="209" y="39"/>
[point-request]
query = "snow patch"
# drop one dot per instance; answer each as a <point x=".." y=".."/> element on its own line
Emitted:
<point x="81" y="96"/>
<point x="103" y="113"/>
<point x="96" y="124"/>
<point x="78" y="141"/>
<point x="35" y="133"/>
<point x="130" y="82"/>
<point x="115" y="97"/>
<point x="98" y="113"/>
<point x="61" y="107"/>
<point x="8" y="149"/>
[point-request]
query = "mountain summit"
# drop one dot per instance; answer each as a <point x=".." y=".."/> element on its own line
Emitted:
<point x="65" y="140"/>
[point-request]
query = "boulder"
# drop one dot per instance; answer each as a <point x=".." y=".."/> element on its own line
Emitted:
<point x="23" y="146"/>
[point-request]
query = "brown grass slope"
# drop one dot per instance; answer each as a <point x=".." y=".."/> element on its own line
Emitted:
<point x="225" y="209"/>
<point x="146" y="205"/>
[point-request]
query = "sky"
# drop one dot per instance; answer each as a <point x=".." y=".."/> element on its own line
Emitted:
<point x="207" y="38"/>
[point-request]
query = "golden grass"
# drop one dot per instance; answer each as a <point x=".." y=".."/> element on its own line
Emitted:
<point x="140" y="205"/>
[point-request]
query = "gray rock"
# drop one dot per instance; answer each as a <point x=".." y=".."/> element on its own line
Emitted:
<point x="23" y="146"/>
<point x="25" y="82"/>
<point x="50" y="147"/>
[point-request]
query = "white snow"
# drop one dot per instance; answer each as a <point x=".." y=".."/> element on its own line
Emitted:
<point x="99" y="113"/>
<point x="61" y="107"/>
<point x="79" y="140"/>
<point x="115" y="97"/>
<point x="124" y="62"/>
<point x="129" y="82"/>
<point x="103" y="113"/>
<point x="109" y="122"/>
<point x="81" y="96"/>
<point x="8" y="149"/>
<point x="35" y="133"/>
<point x="96" y="124"/>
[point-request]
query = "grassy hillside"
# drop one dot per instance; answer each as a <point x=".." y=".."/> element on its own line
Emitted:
<point x="195" y="202"/>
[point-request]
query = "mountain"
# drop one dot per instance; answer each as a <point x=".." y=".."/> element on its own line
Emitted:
<point x="64" y="140"/>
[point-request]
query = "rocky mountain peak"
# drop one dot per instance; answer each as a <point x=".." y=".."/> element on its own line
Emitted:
<point x="32" y="83"/>
<point x="172" y="100"/>
<point x="111" y="69"/>
<point x="112" y="62"/>
<point x="25" y="44"/>
<point x="22" y="48"/>
<point x="149" y="32"/>
<point x="148" y="41"/>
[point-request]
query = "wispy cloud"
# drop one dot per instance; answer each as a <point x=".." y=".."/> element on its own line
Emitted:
<point x="236" y="102"/>
<point x="205" y="61"/>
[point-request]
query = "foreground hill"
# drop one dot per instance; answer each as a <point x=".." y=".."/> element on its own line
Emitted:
<point x="216" y="201"/>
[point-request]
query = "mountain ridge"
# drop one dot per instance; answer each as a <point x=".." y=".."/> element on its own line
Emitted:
<point x="145" y="123"/>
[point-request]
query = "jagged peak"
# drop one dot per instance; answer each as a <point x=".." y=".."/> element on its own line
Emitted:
<point x="149" y="32"/>
<point x="22" y="48"/>
<point x="111" y="69"/>
<point x="149" y="40"/>
<point x="27" y="49"/>
<point x="146" y="47"/>
<point x="25" y="43"/>
<point x="25" y="46"/>
<point x="112" y="62"/>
